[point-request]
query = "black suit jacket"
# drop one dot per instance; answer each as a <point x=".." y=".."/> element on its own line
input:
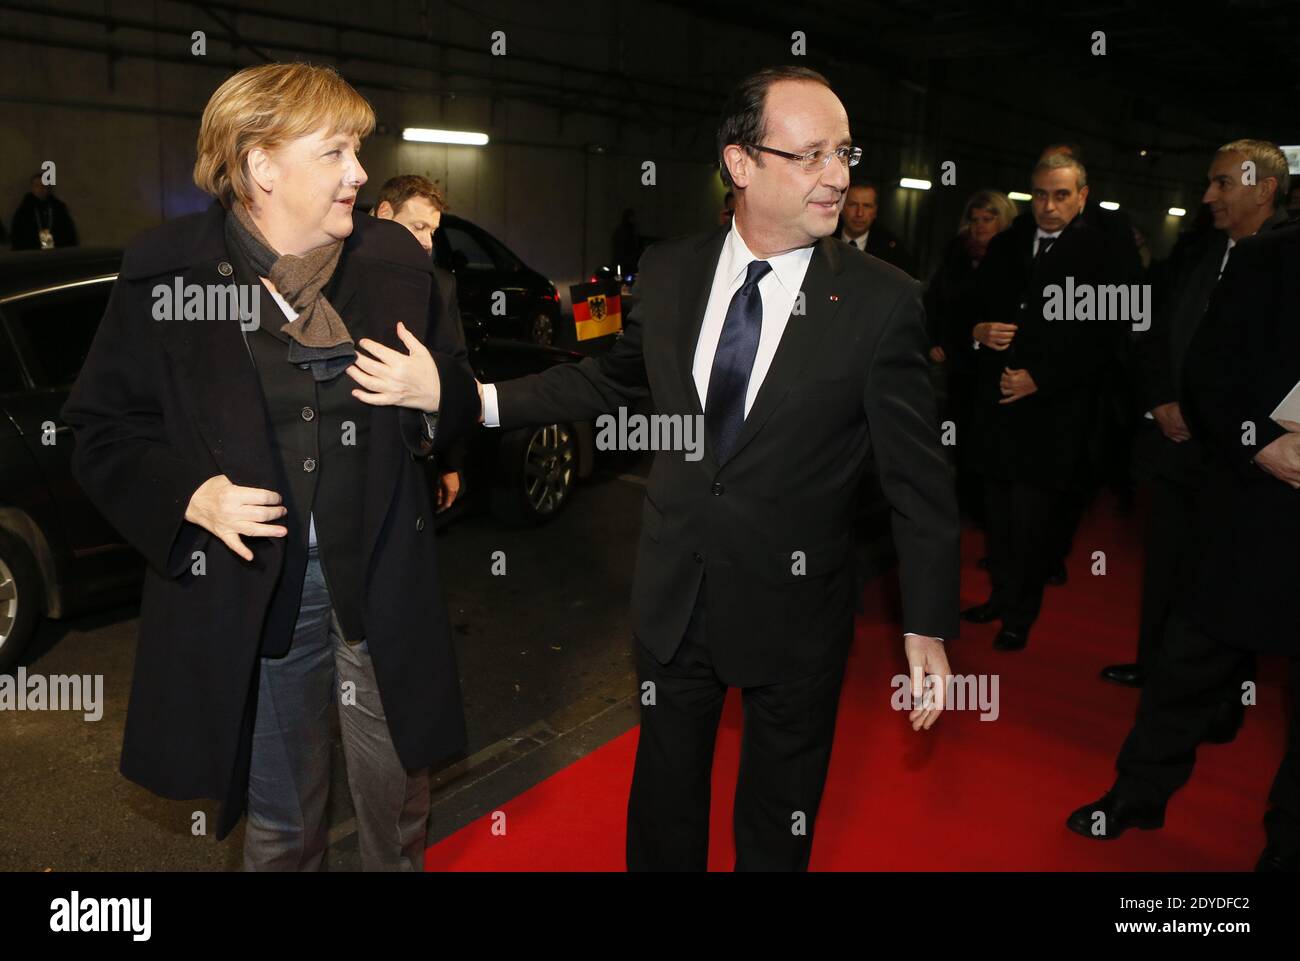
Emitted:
<point x="1244" y="359"/>
<point x="849" y="380"/>
<point x="163" y="405"/>
<point x="882" y="243"/>
<point x="448" y="307"/>
<point x="1042" y="438"/>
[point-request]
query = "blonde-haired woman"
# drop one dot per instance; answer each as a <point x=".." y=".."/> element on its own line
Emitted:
<point x="262" y="456"/>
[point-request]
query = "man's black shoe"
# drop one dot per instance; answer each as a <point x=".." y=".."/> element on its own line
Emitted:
<point x="981" y="613"/>
<point x="1130" y="675"/>
<point x="1117" y="815"/>
<point x="1011" y="640"/>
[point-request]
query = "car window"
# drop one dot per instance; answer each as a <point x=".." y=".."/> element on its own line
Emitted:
<point x="55" y="330"/>
<point x="466" y="251"/>
<point x="11" y="375"/>
<point x="504" y="258"/>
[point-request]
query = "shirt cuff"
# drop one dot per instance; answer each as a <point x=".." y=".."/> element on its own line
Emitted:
<point x="491" y="416"/>
<point x="914" y="634"/>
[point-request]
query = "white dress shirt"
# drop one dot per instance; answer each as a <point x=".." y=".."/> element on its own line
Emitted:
<point x="779" y="288"/>
<point x="1039" y="234"/>
<point x="859" y="242"/>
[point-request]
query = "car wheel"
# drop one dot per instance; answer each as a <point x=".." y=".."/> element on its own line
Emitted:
<point x="538" y="467"/>
<point x="20" y="598"/>
<point x="542" y="330"/>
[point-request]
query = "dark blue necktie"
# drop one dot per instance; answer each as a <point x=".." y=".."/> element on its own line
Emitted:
<point x="724" y="408"/>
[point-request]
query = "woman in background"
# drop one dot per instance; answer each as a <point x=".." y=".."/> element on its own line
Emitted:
<point x="947" y="309"/>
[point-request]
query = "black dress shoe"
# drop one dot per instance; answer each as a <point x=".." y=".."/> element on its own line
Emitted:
<point x="1130" y="675"/>
<point x="1057" y="575"/>
<point x="1011" y="640"/>
<point x="1275" y="859"/>
<point x="1120" y="814"/>
<point x="981" y="613"/>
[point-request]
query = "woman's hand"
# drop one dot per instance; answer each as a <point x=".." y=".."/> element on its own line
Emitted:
<point x="393" y="378"/>
<point x="227" y="511"/>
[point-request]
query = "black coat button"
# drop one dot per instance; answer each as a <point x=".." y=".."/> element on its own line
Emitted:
<point x="224" y="269"/>
<point x="699" y="558"/>
<point x="419" y="523"/>
<point x="309" y="464"/>
<point x="717" y="489"/>
<point x="308" y="413"/>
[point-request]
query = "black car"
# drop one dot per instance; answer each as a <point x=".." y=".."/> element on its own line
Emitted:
<point x="496" y="288"/>
<point x="59" y="557"/>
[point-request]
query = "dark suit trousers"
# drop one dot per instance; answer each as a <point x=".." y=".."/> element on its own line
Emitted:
<point x="1168" y="540"/>
<point x="1179" y="702"/>
<point x="1022" y="524"/>
<point x="784" y="754"/>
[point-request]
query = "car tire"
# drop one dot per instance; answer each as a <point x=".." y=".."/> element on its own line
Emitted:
<point x="536" y="470"/>
<point x="542" y="330"/>
<point x="20" y="599"/>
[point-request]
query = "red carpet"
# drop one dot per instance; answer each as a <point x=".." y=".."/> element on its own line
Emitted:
<point x="968" y="794"/>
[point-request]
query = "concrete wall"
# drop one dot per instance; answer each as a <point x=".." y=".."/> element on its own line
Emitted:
<point x="122" y="130"/>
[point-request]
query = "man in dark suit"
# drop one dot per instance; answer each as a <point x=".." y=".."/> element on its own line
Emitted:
<point x="1109" y="444"/>
<point x="801" y="357"/>
<point x="417" y="204"/>
<point x="859" y="228"/>
<point x="1036" y="380"/>
<point x="1172" y="460"/>
<point x="1238" y="598"/>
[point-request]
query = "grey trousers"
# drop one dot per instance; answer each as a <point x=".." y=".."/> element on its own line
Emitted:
<point x="289" y="779"/>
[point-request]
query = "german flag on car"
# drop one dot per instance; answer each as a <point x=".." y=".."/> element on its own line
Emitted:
<point x="597" y="309"/>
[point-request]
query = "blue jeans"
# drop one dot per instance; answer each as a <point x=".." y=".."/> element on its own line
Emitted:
<point x="290" y="774"/>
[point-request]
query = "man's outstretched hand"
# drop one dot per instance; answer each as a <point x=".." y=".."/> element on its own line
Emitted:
<point x="391" y="378"/>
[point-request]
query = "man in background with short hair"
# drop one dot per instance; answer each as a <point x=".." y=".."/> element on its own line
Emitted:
<point x="859" y="228"/>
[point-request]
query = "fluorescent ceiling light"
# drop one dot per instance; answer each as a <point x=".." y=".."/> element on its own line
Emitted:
<point x="1108" y="205"/>
<point x="1017" y="195"/>
<point x="1177" y="212"/>
<point x="911" y="183"/>
<point x="429" y="135"/>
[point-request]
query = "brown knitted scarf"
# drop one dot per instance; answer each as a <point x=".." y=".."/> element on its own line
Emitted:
<point x="319" y="336"/>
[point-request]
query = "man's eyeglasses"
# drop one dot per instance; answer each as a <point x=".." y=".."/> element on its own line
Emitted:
<point x="814" y="159"/>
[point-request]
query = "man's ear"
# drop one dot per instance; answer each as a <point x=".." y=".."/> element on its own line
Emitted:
<point x="1083" y="194"/>
<point x="384" y="211"/>
<point x="738" y="162"/>
<point x="1267" y="191"/>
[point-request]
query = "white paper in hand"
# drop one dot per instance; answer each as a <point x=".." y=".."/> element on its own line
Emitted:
<point x="1289" y="409"/>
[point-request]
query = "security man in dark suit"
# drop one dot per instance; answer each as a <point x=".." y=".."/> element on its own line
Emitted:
<point x="1036" y="381"/>
<point x="860" y="227"/>
<point x="1238" y="599"/>
<point x="1172" y="459"/>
